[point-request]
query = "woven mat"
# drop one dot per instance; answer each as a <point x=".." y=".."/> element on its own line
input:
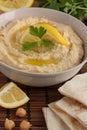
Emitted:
<point x="39" y="97"/>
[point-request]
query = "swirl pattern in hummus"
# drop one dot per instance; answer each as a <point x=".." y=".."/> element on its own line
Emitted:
<point x="53" y="59"/>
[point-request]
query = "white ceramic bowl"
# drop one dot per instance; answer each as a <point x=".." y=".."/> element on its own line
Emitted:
<point x="46" y="79"/>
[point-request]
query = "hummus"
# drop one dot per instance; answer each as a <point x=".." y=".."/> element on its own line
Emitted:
<point x="53" y="58"/>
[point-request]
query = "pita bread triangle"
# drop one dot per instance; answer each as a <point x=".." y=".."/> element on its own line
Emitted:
<point x="76" y="88"/>
<point x="72" y="123"/>
<point x="53" y="121"/>
<point x="73" y="109"/>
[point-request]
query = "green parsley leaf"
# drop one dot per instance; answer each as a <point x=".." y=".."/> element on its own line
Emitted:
<point x="29" y="45"/>
<point x="53" y="4"/>
<point x="85" y="13"/>
<point x="39" y="32"/>
<point x="77" y="8"/>
<point x="46" y="43"/>
<point x="85" y="3"/>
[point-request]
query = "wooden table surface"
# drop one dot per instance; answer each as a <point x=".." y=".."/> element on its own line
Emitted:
<point x="39" y="97"/>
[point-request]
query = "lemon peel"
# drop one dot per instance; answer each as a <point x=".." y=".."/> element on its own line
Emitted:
<point x="8" y="5"/>
<point x="11" y="96"/>
<point x="54" y="32"/>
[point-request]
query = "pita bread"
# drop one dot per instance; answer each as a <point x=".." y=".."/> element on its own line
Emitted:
<point x="74" y="109"/>
<point x="72" y="123"/>
<point x="76" y="88"/>
<point x="53" y="121"/>
<point x="82" y="117"/>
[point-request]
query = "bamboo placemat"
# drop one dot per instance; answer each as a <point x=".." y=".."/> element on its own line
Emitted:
<point x="39" y="97"/>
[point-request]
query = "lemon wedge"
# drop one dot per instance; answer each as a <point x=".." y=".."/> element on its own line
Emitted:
<point x="54" y="32"/>
<point x="11" y="96"/>
<point x="7" y="5"/>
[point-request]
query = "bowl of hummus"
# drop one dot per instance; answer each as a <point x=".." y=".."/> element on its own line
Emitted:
<point x="41" y="47"/>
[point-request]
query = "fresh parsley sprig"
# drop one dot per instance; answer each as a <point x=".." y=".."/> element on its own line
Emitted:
<point x="77" y="8"/>
<point x="46" y="43"/>
<point x="38" y="32"/>
<point x="29" y="45"/>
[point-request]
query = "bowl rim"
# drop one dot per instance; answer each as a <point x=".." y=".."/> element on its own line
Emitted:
<point x="41" y="74"/>
<point x="37" y="73"/>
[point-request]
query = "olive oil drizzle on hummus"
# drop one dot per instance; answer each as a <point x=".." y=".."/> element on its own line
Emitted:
<point x="37" y="62"/>
<point x="40" y="62"/>
<point x="55" y="58"/>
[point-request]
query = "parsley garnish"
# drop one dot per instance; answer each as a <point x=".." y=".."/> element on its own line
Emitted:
<point x="46" y="43"/>
<point x="77" y="8"/>
<point x="29" y="45"/>
<point x="38" y="32"/>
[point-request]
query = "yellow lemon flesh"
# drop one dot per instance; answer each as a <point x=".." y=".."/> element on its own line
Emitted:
<point x="54" y="32"/>
<point x="7" y="5"/>
<point x="11" y="96"/>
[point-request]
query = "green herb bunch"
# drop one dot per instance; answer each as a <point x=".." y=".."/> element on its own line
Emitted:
<point x="76" y="8"/>
<point x="38" y="32"/>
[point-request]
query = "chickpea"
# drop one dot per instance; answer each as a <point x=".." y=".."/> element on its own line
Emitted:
<point x="25" y="125"/>
<point x="21" y="112"/>
<point x="9" y="124"/>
